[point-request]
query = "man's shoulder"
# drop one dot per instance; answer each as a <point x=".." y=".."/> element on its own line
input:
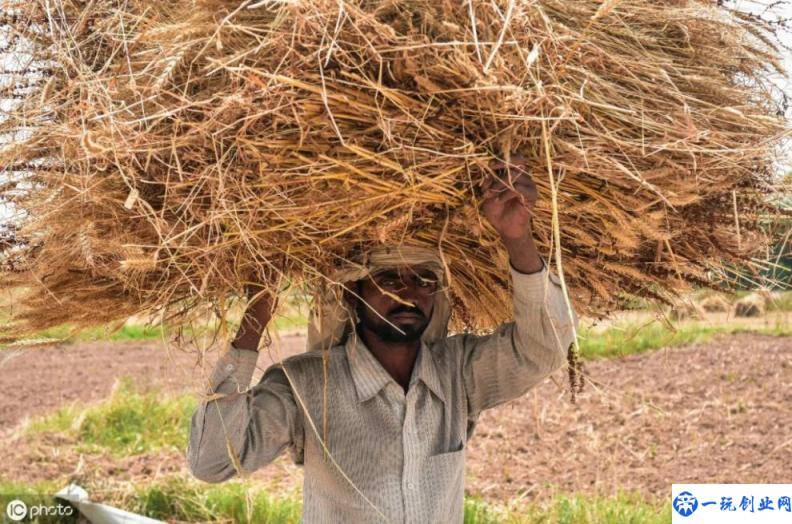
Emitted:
<point x="448" y="350"/>
<point x="454" y="341"/>
<point x="457" y="344"/>
<point x="308" y="370"/>
<point x="312" y="360"/>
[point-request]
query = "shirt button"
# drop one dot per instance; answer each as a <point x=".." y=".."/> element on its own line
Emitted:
<point x="229" y="367"/>
<point x="410" y="485"/>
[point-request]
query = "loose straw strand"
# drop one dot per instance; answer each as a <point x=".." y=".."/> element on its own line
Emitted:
<point x="557" y="240"/>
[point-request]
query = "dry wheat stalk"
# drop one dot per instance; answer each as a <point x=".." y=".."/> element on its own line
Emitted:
<point x="172" y="151"/>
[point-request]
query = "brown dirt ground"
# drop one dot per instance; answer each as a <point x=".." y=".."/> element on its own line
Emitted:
<point x="711" y="412"/>
<point x="38" y="380"/>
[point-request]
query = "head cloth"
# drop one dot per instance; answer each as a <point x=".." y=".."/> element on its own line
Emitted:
<point x="332" y="320"/>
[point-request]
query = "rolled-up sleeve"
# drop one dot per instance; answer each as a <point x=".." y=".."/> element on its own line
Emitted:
<point x="505" y="364"/>
<point x="237" y="430"/>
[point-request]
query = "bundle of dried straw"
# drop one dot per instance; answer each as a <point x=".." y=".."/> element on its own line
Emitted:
<point x="161" y="154"/>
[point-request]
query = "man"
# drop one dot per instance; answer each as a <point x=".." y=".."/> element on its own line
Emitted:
<point x="380" y="421"/>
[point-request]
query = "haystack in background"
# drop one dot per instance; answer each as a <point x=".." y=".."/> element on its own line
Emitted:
<point x="686" y="310"/>
<point x="757" y="303"/>
<point x="162" y="154"/>
<point x="753" y="305"/>
<point x="715" y="304"/>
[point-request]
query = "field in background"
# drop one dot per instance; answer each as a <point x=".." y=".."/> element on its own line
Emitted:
<point x="153" y="427"/>
<point x="111" y="414"/>
<point x="623" y="333"/>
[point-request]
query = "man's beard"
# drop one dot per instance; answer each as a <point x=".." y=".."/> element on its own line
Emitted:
<point x="388" y="333"/>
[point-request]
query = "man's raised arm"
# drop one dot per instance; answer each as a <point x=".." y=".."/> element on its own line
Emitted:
<point x="239" y="429"/>
<point x="507" y="363"/>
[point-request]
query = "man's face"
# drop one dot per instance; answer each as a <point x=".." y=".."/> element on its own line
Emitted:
<point x="379" y="312"/>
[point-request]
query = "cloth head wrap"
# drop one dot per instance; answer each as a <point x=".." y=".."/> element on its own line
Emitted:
<point x="332" y="319"/>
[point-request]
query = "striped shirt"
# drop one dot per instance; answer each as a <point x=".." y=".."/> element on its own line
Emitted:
<point x="393" y="457"/>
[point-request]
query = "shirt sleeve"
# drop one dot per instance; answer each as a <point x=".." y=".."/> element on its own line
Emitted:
<point x="507" y="363"/>
<point x="236" y="429"/>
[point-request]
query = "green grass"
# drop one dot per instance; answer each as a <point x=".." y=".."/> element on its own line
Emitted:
<point x="627" y="338"/>
<point x="64" y="332"/>
<point x="128" y="423"/>
<point x="185" y="500"/>
<point x="783" y="302"/>
<point x="127" y="332"/>
<point x="621" y="509"/>
<point x="571" y="509"/>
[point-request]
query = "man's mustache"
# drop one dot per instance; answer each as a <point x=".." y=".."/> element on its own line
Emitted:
<point x="407" y="309"/>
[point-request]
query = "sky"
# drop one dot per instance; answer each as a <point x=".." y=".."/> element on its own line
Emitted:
<point x="777" y="11"/>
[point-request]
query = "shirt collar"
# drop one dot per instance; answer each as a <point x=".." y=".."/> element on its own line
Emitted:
<point x="367" y="373"/>
<point x="426" y="371"/>
<point x="370" y="377"/>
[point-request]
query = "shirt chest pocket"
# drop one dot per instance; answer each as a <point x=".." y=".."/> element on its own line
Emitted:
<point x="444" y="470"/>
<point x="444" y="481"/>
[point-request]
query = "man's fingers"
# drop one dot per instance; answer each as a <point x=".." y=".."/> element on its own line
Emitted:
<point x="515" y="159"/>
<point x="517" y="163"/>
<point x="512" y="176"/>
<point x="522" y="185"/>
<point x="510" y="181"/>
<point x="502" y="198"/>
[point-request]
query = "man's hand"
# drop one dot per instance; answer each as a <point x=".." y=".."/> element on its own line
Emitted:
<point x="509" y="199"/>
<point x="508" y="204"/>
<point x="257" y="316"/>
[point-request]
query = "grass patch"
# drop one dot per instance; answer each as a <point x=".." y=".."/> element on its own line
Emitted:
<point x="128" y="423"/>
<point x="64" y="333"/>
<point x="127" y="332"/>
<point x="781" y="302"/>
<point x="189" y="501"/>
<point x="292" y="314"/>
<point x="185" y="500"/>
<point x="627" y="338"/>
<point x="623" y="508"/>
